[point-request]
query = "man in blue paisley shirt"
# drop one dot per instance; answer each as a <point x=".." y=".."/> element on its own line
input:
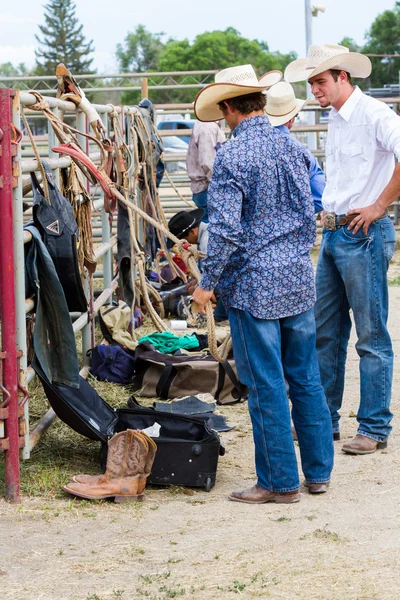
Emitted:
<point x="261" y="230"/>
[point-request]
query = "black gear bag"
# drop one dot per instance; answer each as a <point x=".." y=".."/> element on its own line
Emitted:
<point x="59" y="231"/>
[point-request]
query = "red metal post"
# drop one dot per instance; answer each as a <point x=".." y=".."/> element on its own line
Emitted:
<point x="10" y="443"/>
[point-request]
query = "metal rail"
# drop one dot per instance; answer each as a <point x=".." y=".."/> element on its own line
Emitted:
<point x="169" y="80"/>
<point x="15" y="374"/>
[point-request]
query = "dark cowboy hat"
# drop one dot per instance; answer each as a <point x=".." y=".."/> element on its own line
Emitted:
<point x="183" y="222"/>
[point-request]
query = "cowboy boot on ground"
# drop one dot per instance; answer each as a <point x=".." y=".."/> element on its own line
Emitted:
<point x="152" y="449"/>
<point x="94" y="479"/>
<point x="126" y="461"/>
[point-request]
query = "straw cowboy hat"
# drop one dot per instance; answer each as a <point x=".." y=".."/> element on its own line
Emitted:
<point x="230" y="83"/>
<point x="282" y="104"/>
<point x="328" y="56"/>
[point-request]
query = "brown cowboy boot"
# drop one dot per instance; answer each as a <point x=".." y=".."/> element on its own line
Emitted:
<point x="126" y="459"/>
<point x="143" y="470"/>
<point x="152" y="449"/>
<point x="94" y="479"/>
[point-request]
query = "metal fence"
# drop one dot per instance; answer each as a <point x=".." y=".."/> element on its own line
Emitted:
<point x="117" y="82"/>
<point x="16" y="375"/>
<point x="175" y="195"/>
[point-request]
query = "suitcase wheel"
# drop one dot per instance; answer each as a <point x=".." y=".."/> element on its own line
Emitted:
<point x="208" y="484"/>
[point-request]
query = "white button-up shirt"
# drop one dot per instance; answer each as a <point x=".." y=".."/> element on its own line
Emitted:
<point x="201" y="154"/>
<point x="363" y="137"/>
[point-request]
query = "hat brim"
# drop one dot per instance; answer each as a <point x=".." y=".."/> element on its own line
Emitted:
<point x="358" y="65"/>
<point x="206" y="106"/>
<point x="276" y="120"/>
<point x="197" y="214"/>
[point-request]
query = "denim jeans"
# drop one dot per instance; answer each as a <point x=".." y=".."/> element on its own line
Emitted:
<point x="266" y="352"/>
<point x="352" y="274"/>
<point x="200" y="201"/>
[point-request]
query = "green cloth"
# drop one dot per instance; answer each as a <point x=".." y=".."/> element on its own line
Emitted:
<point x="168" y="342"/>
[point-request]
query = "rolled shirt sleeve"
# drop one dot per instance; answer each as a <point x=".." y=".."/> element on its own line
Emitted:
<point x="387" y="129"/>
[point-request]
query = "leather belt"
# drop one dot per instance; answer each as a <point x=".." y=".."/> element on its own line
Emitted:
<point x="334" y="221"/>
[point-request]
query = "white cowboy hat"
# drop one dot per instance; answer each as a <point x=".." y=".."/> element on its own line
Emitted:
<point x="328" y="56"/>
<point x="282" y="104"/>
<point x="229" y="83"/>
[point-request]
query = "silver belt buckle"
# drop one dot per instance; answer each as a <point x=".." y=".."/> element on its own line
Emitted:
<point x="330" y="221"/>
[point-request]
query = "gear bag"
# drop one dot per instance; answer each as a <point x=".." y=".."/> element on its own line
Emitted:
<point x="111" y="363"/>
<point x="168" y="376"/>
<point x="59" y="231"/>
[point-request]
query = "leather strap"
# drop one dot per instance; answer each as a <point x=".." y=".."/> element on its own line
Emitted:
<point x="165" y="381"/>
<point x="241" y="390"/>
<point x="345" y="219"/>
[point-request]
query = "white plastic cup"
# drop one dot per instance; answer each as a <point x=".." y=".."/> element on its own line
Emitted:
<point x="178" y="325"/>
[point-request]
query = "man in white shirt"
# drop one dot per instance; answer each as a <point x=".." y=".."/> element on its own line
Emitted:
<point x="358" y="238"/>
<point x="203" y="145"/>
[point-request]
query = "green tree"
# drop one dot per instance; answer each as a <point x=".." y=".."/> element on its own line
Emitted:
<point x="221" y="49"/>
<point x="62" y="40"/>
<point x="140" y="51"/>
<point x="351" y="44"/>
<point x="144" y="51"/>
<point x="383" y="37"/>
<point x="9" y="70"/>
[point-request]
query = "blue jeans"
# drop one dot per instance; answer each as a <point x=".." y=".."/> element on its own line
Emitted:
<point x="352" y="274"/>
<point x="200" y="201"/>
<point x="266" y="352"/>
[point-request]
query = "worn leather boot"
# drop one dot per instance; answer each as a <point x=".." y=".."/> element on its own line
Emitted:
<point x="151" y="452"/>
<point x="94" y="479"/>
<point x="317" y="488"/>
<point x="360" y="444"/>
<point x="126" y="461"/>
<point x="258" y="495"/>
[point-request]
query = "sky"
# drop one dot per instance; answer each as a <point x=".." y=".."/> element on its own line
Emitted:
<point x="281" y="24"/>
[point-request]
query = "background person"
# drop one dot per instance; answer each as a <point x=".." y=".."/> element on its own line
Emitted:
<point x="281" y="110"/>
<point x="261" y="230"/>
<point x="200" y="159"/>
<point x="358" y="239"/>
<point x="187" y="225"/>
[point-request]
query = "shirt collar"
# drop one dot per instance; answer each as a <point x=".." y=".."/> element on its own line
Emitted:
<point x="282" y="129"/>
<point x="250" y="122"/>
<point x="347" y="109"/>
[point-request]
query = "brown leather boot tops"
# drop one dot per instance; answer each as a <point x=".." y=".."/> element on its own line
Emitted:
<point x="130" y="458"/>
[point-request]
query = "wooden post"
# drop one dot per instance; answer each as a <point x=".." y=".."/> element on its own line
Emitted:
<point x="145" y="88"/>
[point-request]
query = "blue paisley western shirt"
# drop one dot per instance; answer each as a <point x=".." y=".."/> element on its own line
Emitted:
<point x="261" y="223"/>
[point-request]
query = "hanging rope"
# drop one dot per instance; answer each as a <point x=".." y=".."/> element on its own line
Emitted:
<point x="189" y="253"/>
<point x="37" y="156"/>
<point x="176" y="190"/>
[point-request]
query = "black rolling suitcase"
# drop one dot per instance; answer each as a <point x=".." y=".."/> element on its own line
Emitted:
<point x="187" y="449"/>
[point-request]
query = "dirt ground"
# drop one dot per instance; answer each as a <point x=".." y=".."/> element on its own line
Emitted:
<point x="198" y="545"/>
